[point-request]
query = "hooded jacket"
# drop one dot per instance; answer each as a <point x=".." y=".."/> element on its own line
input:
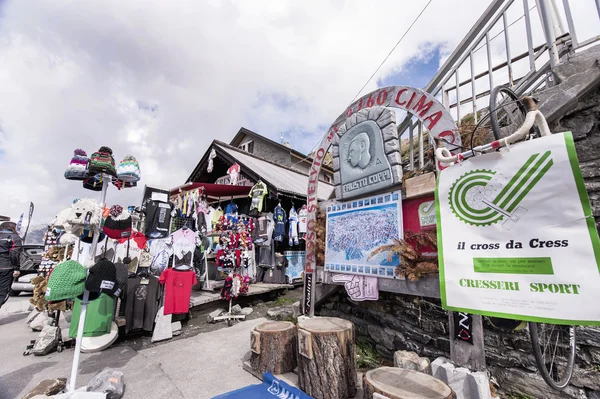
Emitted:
<point x="10" y="250"/>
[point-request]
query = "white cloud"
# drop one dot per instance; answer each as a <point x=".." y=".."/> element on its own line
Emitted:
<point x="160" y="80"/>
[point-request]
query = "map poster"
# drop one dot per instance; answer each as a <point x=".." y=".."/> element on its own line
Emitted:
<point x="516" y="235"/>
<point x="356" y="229"/>
<point x="295" y="269"/>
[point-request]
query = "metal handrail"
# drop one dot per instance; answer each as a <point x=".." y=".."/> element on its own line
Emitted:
<point x="557" y="44"/>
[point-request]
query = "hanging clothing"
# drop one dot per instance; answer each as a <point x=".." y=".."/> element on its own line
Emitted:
<point x="302" y="219"/>
<point x="257" y="193"/>
<point x="158" y="218"/>
<point x="161" y="250"/>
<point x="293" y="227"/>
<point x="280" y="219"/>
<point x="178" y="290"/>
<point x="264" y="229"/>
<point x="216" y="216"/>
<point x="98" y="317"/>
<point x="184" y="243"/>
<point x="141" y="297"/>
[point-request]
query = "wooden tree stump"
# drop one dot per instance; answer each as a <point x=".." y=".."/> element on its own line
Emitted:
<point x="274" y="347"/>
<point x="396" y="383"/>
<point x="327" y="358"/>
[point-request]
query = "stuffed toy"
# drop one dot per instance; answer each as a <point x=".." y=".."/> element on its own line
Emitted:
<point x="85" y="212"/>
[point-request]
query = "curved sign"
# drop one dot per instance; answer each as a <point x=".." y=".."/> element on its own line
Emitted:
<point x="435" y="118"/>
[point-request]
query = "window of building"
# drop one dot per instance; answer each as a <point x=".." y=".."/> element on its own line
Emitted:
<point x="248" y="147"/>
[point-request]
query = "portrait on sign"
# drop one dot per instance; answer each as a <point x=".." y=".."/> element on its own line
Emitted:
<point x="364" y="166"/>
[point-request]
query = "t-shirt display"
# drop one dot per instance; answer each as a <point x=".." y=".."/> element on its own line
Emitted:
<point x="293" y="227"/>
<point x="141" y="297"/>
<point x="178" y="290"/>
<point x="161" y="250"/>
<point x="257" y="193"/>
<point x="302" y="219"/>
<point x="184" y="243"/>
<point x="264" y="229"/>
<point x="98" y="317"/>
<point x="158" y="218"/>
<point x="280" y="219"/>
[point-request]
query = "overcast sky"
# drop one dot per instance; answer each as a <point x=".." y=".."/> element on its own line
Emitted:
<point x="162" y="79"/>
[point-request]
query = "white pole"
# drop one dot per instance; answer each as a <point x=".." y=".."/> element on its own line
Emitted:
<point x="86" y="295"/>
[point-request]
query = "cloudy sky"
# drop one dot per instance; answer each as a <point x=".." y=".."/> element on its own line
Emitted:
<point x="161" y="80"/>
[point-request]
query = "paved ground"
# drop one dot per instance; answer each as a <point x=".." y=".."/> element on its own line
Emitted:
<point x="200" y="364"/>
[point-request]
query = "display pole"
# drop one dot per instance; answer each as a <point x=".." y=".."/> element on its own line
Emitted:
<point x="86" y="294"/>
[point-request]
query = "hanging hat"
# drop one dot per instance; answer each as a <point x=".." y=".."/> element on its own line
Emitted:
<point x="103" y="278"/>
<point x="102" y="161"/>
<point x="93" y="183"/>
<point x="129" y="169"/>
<point x="118" y="223"/>
<point x="119" y="184"/>
<point x="77" y="169"/>
<point x="122" y="276"/>
<point x="66" y="281"/>
<point x="88" y="235"/>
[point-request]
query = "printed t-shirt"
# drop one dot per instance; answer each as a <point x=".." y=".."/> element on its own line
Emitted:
<point x="257" y="193"/>
<point x="158" y="218"/>
<point x="184" y="243"/>
<point x="293" y="227"/>
<point x="98" y="317"/>
<point x="141" y="303"/>
<point x="302" y="219"/>
<point x="161" y="250"/>
<point x="280" y="218"/>
<point x="178" y="290"/>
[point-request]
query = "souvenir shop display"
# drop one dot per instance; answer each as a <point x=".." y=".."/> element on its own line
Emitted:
<point x="141" y="297"/>
<point x="257" y="193"/>
<point x="118" y="223"/>
<point x="129" y="170"/>
<point x="178" y="288"/>
<point x="77" y="169"/>
<point x="280" y="219"/>
<point x="302" y="220"/>
<point x="93" y="182"/>
<point x="293" y="227"/>
<point x="235" y="284"/>
<point x="102" y="161"/>
<point x="158" y="218"/>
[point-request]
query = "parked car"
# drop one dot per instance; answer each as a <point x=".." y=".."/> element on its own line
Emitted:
<point x="29" y="263"/>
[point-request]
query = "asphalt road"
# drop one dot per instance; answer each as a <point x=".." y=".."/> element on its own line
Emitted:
<point x="201" y="366"/>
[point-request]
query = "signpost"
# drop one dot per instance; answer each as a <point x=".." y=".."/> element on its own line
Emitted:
<point x="422" y="105"/>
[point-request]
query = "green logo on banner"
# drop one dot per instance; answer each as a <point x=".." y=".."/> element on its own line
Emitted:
<point x="484" y="197"/>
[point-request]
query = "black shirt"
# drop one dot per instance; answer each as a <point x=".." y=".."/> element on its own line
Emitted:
<point x="141" y="303"/>
<point x="158" y="218"/>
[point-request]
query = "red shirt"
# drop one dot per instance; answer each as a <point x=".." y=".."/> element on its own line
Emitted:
<point x="178" y="289"/>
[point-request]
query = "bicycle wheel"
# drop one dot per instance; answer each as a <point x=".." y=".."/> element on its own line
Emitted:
<point x="554" y="351"/>
<point x="507" y="112"/>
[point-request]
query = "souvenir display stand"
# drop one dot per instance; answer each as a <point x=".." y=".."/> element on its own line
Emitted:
<point x="84" y="303"/>
<point x="229" y="317"/>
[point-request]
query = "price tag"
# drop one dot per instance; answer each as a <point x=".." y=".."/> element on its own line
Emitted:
<point x="144" y="281"/>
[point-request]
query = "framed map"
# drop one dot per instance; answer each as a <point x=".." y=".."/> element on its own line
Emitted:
<point x="357" y="228"/>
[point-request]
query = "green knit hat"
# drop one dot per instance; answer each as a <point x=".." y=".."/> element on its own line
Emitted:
<point x="66" y="281"/>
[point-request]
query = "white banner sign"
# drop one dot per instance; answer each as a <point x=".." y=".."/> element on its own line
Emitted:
<point x="516" y="235"/>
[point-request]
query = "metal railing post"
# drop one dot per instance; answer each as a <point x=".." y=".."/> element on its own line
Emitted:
<point x="421" y="149"/>
<point x="570" y="24"/>
<point x="473" y="91"/>
<point x="508" y="57"/>
<point x="529" y="35"/>
<point x="411" y="143"/>
<point x="548" y="31"/>
<point x="489" y="60"/>
<point x="457" y="97"/>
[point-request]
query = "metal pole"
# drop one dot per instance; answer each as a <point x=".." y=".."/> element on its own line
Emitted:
<point x="489" y="60"/>
<point x="457" y="97"/>
<point x="421" y="154"/>
<point x="548" y="32"/>
<point x="559" y="28"/>
<point x="598" y="7"/>
<point x="86" y="295"/>
<point x="411" y="143"/>
<point x="473" y="87"/>
<point x="508" y="57"/>
<point x="572" y="32"/>
<point x="529" y="36"/>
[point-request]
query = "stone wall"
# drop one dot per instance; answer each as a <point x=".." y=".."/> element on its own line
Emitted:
<point x="401" y="322"/>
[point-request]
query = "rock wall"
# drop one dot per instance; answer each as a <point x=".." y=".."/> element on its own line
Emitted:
<point x="401" y="322"/>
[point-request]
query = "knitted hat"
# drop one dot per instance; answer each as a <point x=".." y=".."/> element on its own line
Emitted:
<point x="122" y="276"/>
<point x="118" y="223"/>
<point x="129" y="169"/>
<point x="102" y="161"/>
<point x="103" y="278"/>
<point x="93" y="182"/>
<point x="77" y="169"/>
<point x="66" y="281"/>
